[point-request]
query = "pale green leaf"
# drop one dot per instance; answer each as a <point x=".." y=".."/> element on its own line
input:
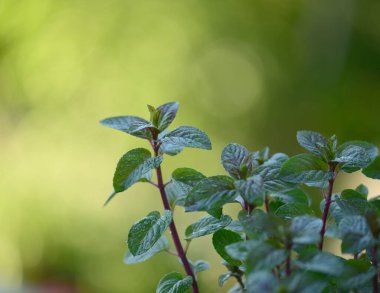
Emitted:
<point x="187" y="136"/>
<point x="206" y="225"/>
<point x="160" y="245"/>
<point x="174" y="283"/>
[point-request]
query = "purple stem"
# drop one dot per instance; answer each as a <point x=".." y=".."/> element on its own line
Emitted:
<point x="173" y="230"/>
<point x="375" y="285"/>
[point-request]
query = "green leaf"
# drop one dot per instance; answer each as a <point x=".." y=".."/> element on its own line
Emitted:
<point x="265" y="256"/>
<point x="146" y="232"/>
<point x="362" y="189"/>
<point x="373" y="170"/>
<point x="133" y="125"/>
<point x="133" y="166"/>
<point x="307" y="169"/>
<point x="312" y="141"/>
<point x="183" y="180"/>
<point x="200" y="266"/>
<point x="233" y="159"/>
<point x="305" y="229"/>
<point x="224" y="278"/>
<point x="165" y="115"/>
<point x="174" y="283"/>
<point x="240" y="250"/>
<point x="160" y="245"/>
<point x="187" y="136"/>
<point x="352" y="158"/>
<point x="369" y="149"/>
<point x="206" y="225"/>
<point x="252" y="189"/>
<point x="356" y="274"/>
<point x="291" y="210"/>
<point x="187" y="176"/>
<point x="324" y="262"/>
<point x="170" y="149"/>
<point x="211" y="193"/>
<point x="221" y="239"/>
<point x="296" y="195"/>
<point x="356" y="234"/>
<point x="262" y="281"/>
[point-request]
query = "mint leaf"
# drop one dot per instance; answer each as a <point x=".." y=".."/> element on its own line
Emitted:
<point x="373" y="170"/>
<point x="363" y="154"/>
<point x="134" y="166"/>
<point x="305" y="229"/>
<point x="146" y="232"/>
<point x="187" y="176"/>
<point x="240" y="250"/>
<point x="265" y="256"/>
<point x="252" y="189"/>
<point x="324" y="262"/>
<point x="187" y="136"/>
<point x="165" y="115"/>
<point x="221" y="239"/>
<point x="233" y="158"/>
<point x="312" y="141"/>
<point x="133" y="125"/>
<point x="262" y="281"/>
<point x="224" y="278"/>
<point x="291" y="210"/>
<point x="206" y="225"/>
<point x="292" y="196"/>
<point x="174" y="283"/>
<point x="307" y="169"/>
<point x="211" y="193"/>
<point x="200" y="266"/>
<point x="160" y="245"/>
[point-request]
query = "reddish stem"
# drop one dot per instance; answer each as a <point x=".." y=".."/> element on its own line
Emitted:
<point x="173" y="230"/>
<point x="375" y="284"/>
<point x="327" y="207"/>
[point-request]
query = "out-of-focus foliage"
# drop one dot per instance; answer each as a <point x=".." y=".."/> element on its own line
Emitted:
<point x="251" y="72"/>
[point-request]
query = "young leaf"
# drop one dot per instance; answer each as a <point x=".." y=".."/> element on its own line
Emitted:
<point x="160" y="245"/>
<point x="373" y="170"/>
<point x="146" y="232"/>
<point x="133" y="166"/>
<point x="312" y="141"/>
<point x="221" y="239"/>
<point x="200" y="266"/>
<point x="307" y="169"/>
<point x="206" y="225"/>
<point x="165" y="115"/>
<point x="252" y="189"/>
<point x="174" y="283"/>
<point x="133" y="125"/>
<point x="210" y="193"/>
<point x="224" y="278"/>
<point x="187" y="136"/>
<point x="233" y="157"/>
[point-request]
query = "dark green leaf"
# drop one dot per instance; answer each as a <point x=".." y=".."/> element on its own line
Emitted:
<point x="240" y="250"/>
<point x="252" y="189"/>
<point x="265" y="256"/>
<point x="206" y="225"/>
<point x="187" y="136"/>
<point x="146" y="232"/>
<point x="174" y="283"/>
<point x="233" y="159"/>
<point x="356" y="234"/>
<point x="356" y="274"/>
<point x="324" y="262"/>
<point x="211" y="193"/>
<point x="221" y="239"/>
<point x="307" y="169"/>
<point x="291" y="210"/>
<point x="133" y="166"/>
<point x="362" y="189"/>
<point x="312" y="141"/>
<point x="262" y="281"/>
<point x="305" y="229"/>
<point x="133" y="125"/>
<point x="165" y="115"/>
<point x="373" y="170"/>
<point x="160" y="245"/>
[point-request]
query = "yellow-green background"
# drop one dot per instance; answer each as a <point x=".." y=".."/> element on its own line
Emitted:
<point x="243" y="71"/>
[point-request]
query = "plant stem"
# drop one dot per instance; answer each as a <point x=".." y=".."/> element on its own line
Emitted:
<point x="173" y="230"/>
<point x="240" y="281"/>
<point x="327" y="206"/>
<point x="375" y="285"/>
<point x="266" y="201"/>
<point x="288" y="268"/>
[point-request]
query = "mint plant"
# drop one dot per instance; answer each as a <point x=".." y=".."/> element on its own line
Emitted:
<point x="276" y="242"/>
<point x="146" y="237"/>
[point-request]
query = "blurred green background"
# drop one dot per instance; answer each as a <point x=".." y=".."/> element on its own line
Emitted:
<point x="251" y="72"/>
